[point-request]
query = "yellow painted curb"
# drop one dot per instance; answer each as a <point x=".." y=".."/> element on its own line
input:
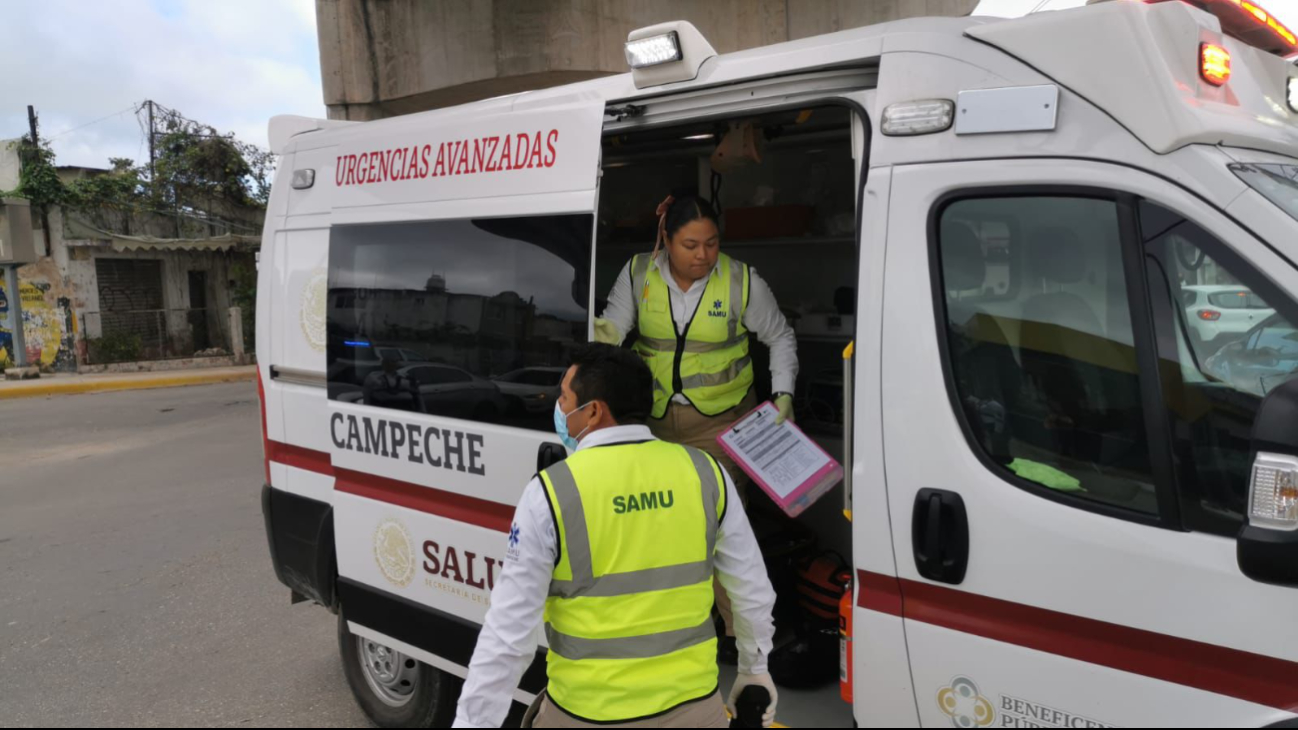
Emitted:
<point x="37" y="388"/>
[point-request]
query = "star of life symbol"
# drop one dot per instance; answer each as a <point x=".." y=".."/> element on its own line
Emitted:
<point x="512" y="553"/>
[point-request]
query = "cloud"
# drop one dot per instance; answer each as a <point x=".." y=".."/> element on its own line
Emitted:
<point x="232" y="64"/>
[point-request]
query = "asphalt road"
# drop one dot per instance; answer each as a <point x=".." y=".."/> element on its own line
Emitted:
<point x="135" y="584"/>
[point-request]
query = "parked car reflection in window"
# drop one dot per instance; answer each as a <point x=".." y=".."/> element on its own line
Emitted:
<point x="475" y="316"/>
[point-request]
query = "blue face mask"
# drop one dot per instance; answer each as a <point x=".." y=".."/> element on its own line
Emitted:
<point x="561" y="426"/>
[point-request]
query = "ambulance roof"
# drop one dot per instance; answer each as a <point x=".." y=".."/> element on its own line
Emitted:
<point x="1138" y="63"/>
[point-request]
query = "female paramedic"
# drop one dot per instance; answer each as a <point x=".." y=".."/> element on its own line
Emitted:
<point x="691" y="308"/>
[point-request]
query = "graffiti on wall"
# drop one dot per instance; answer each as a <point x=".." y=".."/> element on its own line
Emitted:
<point x="6" y="337"/>
<point x="47" y="331"/>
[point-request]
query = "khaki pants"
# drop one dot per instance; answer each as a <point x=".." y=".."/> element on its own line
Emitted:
<point x="707" y="712"/>
<point x="683" y="424"/>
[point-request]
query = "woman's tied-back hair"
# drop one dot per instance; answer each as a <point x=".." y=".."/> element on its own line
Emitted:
<point x="674" y="214"/>
<point x="687" y="209"/>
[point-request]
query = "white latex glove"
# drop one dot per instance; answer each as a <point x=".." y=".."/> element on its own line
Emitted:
<point x="784" y="404"/>
<point x="759" y="680"/>
<point x="606" y="332"/>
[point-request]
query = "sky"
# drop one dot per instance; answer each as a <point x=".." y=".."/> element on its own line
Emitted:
<point x="87" y="64"/>
<point x="232" y="64"/>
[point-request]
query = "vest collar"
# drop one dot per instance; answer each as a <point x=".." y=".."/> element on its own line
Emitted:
<point x="665" y="272"/>
<point x="616" y="435"/>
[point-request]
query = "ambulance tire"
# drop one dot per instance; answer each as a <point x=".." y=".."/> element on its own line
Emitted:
<point x="413" y="695"/>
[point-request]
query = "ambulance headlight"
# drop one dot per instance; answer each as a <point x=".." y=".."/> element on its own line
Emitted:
<point x="654" y="51"/>
<point x="1273" y="494"/>
<point x="908" y="118"/>
<point x="1293" y="93"/>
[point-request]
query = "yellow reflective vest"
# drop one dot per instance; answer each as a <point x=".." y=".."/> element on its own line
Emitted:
<point x="629" y="615"/>
<point x="709" y="364"/>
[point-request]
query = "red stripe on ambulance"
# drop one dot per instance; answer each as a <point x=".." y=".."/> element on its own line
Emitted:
<point x="452" y="506"/>
<point x="1243" y="675"/>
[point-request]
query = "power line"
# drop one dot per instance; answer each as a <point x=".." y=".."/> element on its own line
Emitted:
<point x="130" y="108"/>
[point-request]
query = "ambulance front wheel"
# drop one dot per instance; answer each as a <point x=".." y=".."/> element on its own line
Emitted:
<point x="395" y="690"/>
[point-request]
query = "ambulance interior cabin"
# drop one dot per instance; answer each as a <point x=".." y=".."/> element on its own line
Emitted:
<point x="787" y="198"/>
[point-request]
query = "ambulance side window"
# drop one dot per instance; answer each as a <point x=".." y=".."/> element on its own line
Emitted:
<point x="1221" y="354"/>
<point x="1040" y="347"/>
<point x="428" y="316"/>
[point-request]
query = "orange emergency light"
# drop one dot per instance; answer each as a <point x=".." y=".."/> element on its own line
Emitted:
<point x="1214" y="64"/>
<point x="1248" y="21"/>
<point x="1267" y="19"/>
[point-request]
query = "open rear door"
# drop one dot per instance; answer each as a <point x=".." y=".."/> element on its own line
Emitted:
<point x="457" y="258"/>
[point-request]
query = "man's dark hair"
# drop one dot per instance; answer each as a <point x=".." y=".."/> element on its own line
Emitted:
<point x="616" y="376"/>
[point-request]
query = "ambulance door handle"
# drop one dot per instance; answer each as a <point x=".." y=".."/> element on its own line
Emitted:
<point x="940" y="536"/>
<point x="549" y="454"/>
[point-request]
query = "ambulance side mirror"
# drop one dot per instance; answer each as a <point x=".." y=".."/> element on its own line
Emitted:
<point x="1267" y="547"/>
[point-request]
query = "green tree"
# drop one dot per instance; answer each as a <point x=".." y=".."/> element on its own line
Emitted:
<point x="196" y="165"/>
<point x="38" y="181"/>
<point x="196" y="169"/>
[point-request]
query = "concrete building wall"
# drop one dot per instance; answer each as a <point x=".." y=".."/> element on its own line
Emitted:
<point x="60" y="292"/>
<point x="60" y="296"/>
<point x="382" y="58"/>
<point x="176" y="296"/>
<point x="10" y="166"/>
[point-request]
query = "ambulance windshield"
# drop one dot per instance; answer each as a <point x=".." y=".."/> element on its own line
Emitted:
<point x="1278" y="183"/>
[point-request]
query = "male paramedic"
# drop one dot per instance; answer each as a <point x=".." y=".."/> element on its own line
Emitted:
<point x="616" y="548"/>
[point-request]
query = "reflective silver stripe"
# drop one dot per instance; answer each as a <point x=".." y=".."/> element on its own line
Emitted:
<point x="648" y="579"/>
<point x="576" y="538"/>
<point x="736" y="296"/>
<point x="575" y="648"/>
<point x="657" y="343"/>
<point x="640" y="581"/>
<point x="639" y="270"/>
<point x="711" y="493"/>
<point x="694" y="346"/>
<point x="663" y="345"/>
<point x="705" y="380"/>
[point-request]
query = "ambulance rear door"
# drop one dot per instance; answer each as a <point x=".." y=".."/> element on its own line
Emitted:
<point x="459" y="270"/>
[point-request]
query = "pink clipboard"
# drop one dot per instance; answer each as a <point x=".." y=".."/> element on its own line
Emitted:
<point x="817" y="481"/>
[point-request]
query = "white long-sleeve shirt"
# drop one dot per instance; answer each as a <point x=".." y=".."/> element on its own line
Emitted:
<point x="763" y="317"/>
<point x="508" y="641"/>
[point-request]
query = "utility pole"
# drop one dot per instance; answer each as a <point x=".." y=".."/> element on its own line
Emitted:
<point x="9" y="273"/>
<point x="35" y="155"/>
<point x="151" y="152"/>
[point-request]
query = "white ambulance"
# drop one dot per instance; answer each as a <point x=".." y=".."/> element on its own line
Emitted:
<point x="1062" y="508"/>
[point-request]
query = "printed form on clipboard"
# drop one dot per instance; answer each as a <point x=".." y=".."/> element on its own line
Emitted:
<point x="783" y="460"/>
